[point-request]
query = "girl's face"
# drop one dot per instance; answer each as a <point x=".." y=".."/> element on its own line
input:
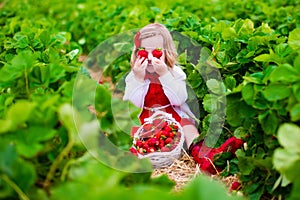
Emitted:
<point x="151" y="44"/>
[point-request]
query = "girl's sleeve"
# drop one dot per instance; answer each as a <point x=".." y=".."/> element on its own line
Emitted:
<point x="135" y="90"/>
<point x="174" y="86"/>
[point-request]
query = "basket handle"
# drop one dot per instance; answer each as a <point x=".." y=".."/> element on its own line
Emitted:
<point x="157" y="113"/>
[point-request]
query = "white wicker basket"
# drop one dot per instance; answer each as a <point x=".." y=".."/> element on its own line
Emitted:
<point x="161" y="159"/>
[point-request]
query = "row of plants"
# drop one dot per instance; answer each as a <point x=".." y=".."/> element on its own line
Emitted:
<point x="242" y="65"/>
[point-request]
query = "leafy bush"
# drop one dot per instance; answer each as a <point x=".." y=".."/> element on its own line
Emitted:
<point x="242" y="63"/>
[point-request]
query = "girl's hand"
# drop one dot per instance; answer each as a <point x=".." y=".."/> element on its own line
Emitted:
<point x="139" y="68"/>
<point x="160" y="66"/>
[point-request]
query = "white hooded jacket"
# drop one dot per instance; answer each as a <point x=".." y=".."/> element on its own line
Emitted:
<point x="174" y="86"/>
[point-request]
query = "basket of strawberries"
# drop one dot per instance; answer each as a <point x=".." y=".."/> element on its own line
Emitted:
<point x="160" y="139"/>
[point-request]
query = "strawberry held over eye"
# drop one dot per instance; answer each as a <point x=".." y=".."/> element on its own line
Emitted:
<point x="142" y="53"/>
<point x="157" y="53"/>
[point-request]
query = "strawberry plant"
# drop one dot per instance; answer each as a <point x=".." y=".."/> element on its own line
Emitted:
<point x="242" y="64"/>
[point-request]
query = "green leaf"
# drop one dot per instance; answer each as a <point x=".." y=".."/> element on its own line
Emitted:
<point x="203" y="187"/>
<point x="21" y="63"/>
<point x="284" y="73"/>
<point x="69" y="119"/>
<point x="229" y="33"/>
<point x="246" y="164"/>
<point x="248" y="93"/>
<point x="297" y="64"/>
<point x="194" y="79"/>
<point x="275" y="92"/>
<point x="5" y="125"/>
<point x="210" y="103"/>
<point x="289" y="137"/>
<point x="25" y="175"/>
<point x="21" y="40"/>
<point x="268" y="121"/>
<point x="271" y="57"/>
<point x="267" y="73"/>
<point x="215" y="86"/>
<point x="29" y="141"/>
<point x="294" y="39"/>
<point x="295" y="113"/>
<point x="283" y="50"/>
<point x="237" y="111"/>
<point x="254" y="77"/>
<point x="287" y="163"/>
<point x="20" y="112"/>
<point x="263" y="58"/>
<point x="247" y="27"/>
<point x="18" y="170"/>
<point x="8" y="156"/>
<point x="296" y="91"/>
<point x="230" y="82"/>
<point x="295" y="195"/>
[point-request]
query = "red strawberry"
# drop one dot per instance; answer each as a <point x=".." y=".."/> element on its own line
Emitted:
<point x="146" y="146"/>
<point x="168" y="128"/>
<point x="169" y="140"/>
<point x="157" y="53"/>
<point x="171" y="135"/>
<point x="175" y="127"/>
<point x="158" y="134"/>
<point x="141" y="151"/>
<point x="142" y="53"/>
<point x="164" y="134"/>
<point x="153" y="142"/>
<point x="235" y="186"/>
<point x="133" y="150"/>
<point x="151" y="149"/>
<point x="161" y="143"/>
<point x="139" y="143"/>
<point x="164" y="149"/>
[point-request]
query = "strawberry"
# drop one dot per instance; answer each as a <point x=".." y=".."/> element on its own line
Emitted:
<point x="235" y="186"/>
<point x="157" y="53"/>
<point x="141" y="151"/>
<point x="161" y="144"/>
<point x="164" y="149"/>
<point x="153" y="142"/>
<point x="164" y="134"/>
<point x="142" y="53"/>
<point x="139" y="143"/>
<point x="158" y="134"/>
<point x="168" y="140"/>
<point x="168" y="128"/>
<point x="146" y="145"/>
<point x="151" y="149"/>
<point x="133" y="150"/>
<point x="171" y="135"/>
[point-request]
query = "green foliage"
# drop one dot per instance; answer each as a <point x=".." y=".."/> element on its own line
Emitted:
<point x="243" y="70"/>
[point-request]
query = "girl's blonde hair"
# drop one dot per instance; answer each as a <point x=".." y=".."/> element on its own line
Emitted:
<point x="151" y="30"/>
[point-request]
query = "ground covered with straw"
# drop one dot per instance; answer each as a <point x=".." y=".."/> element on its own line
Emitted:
<point x="184" y="169"/>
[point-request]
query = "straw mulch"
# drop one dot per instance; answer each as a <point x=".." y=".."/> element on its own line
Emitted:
<point x="184" y="170"/>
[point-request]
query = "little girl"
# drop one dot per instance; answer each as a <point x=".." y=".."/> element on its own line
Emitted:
<point x="156" y="82"/>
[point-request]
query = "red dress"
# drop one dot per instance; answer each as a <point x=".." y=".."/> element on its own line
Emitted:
<point x="156" y="98"/>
